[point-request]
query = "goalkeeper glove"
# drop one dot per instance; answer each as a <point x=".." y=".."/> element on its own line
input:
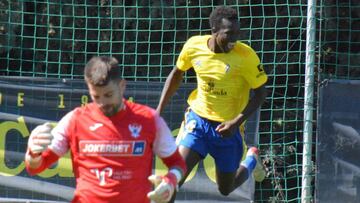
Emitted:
<point x="40" y="138"/>
<point x="164" y="187"/>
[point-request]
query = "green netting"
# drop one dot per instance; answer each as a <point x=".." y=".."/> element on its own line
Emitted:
<point x="55" y="39"/>
<point x="339" y="51"/>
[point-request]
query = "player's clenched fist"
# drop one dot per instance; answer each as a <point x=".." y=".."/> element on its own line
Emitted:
<point x="164" y="187"/>
<point x="40" y="138"/>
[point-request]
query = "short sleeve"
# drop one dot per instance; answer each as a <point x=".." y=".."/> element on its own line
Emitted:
<point x="60" y="142"/>
<point x="164" y="144"/>
<point x="254" y="73"/>
<point x="183" y="61"/>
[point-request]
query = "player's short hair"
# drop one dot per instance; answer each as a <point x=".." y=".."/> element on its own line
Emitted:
<point x="219" y="13"/>
<point x="100" y="70"/>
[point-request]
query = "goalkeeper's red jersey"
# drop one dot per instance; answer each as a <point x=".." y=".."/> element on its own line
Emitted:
<point x="111" y="156"/>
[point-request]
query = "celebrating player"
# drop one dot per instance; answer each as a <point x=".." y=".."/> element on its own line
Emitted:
<point x="112" y="143"/>
<point x="226" y="71"/>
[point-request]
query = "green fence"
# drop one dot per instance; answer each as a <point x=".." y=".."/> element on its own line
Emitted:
<point x="55" y="39"/>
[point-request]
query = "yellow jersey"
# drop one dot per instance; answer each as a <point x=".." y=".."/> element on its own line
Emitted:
<point x="224" y="80"/>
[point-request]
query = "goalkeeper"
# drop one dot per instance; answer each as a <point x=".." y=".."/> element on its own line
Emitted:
<point x="226" y="71"/>
<point x="112" y="143"/>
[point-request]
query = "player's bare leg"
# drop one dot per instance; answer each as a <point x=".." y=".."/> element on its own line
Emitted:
<point x="191" y="158"/>
<point x="228" y="182"/>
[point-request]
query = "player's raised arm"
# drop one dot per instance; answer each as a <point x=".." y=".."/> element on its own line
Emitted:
<point x="38" y="154"/>
<point x="46" y="145"/>
<point x="172" y="83"/>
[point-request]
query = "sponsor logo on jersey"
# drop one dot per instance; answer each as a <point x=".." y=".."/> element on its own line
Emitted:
<point x="95" y="126"/>
<point x="227" y="67"/>
<point x="211" y="88"/>
<point x="261" y="71"/>
<point x="111" y="148"/>
<point x="102" y="174"/>
<point x="198" y="63"/>
<point x="135" y="130"/>
<point x="190" y="126"/>
<point x="260" y="68"/>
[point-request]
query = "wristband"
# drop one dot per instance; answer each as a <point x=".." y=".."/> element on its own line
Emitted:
<point x="171" y="179"/>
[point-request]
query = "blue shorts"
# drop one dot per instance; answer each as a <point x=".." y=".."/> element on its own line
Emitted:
<point x="199" y="134"/>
